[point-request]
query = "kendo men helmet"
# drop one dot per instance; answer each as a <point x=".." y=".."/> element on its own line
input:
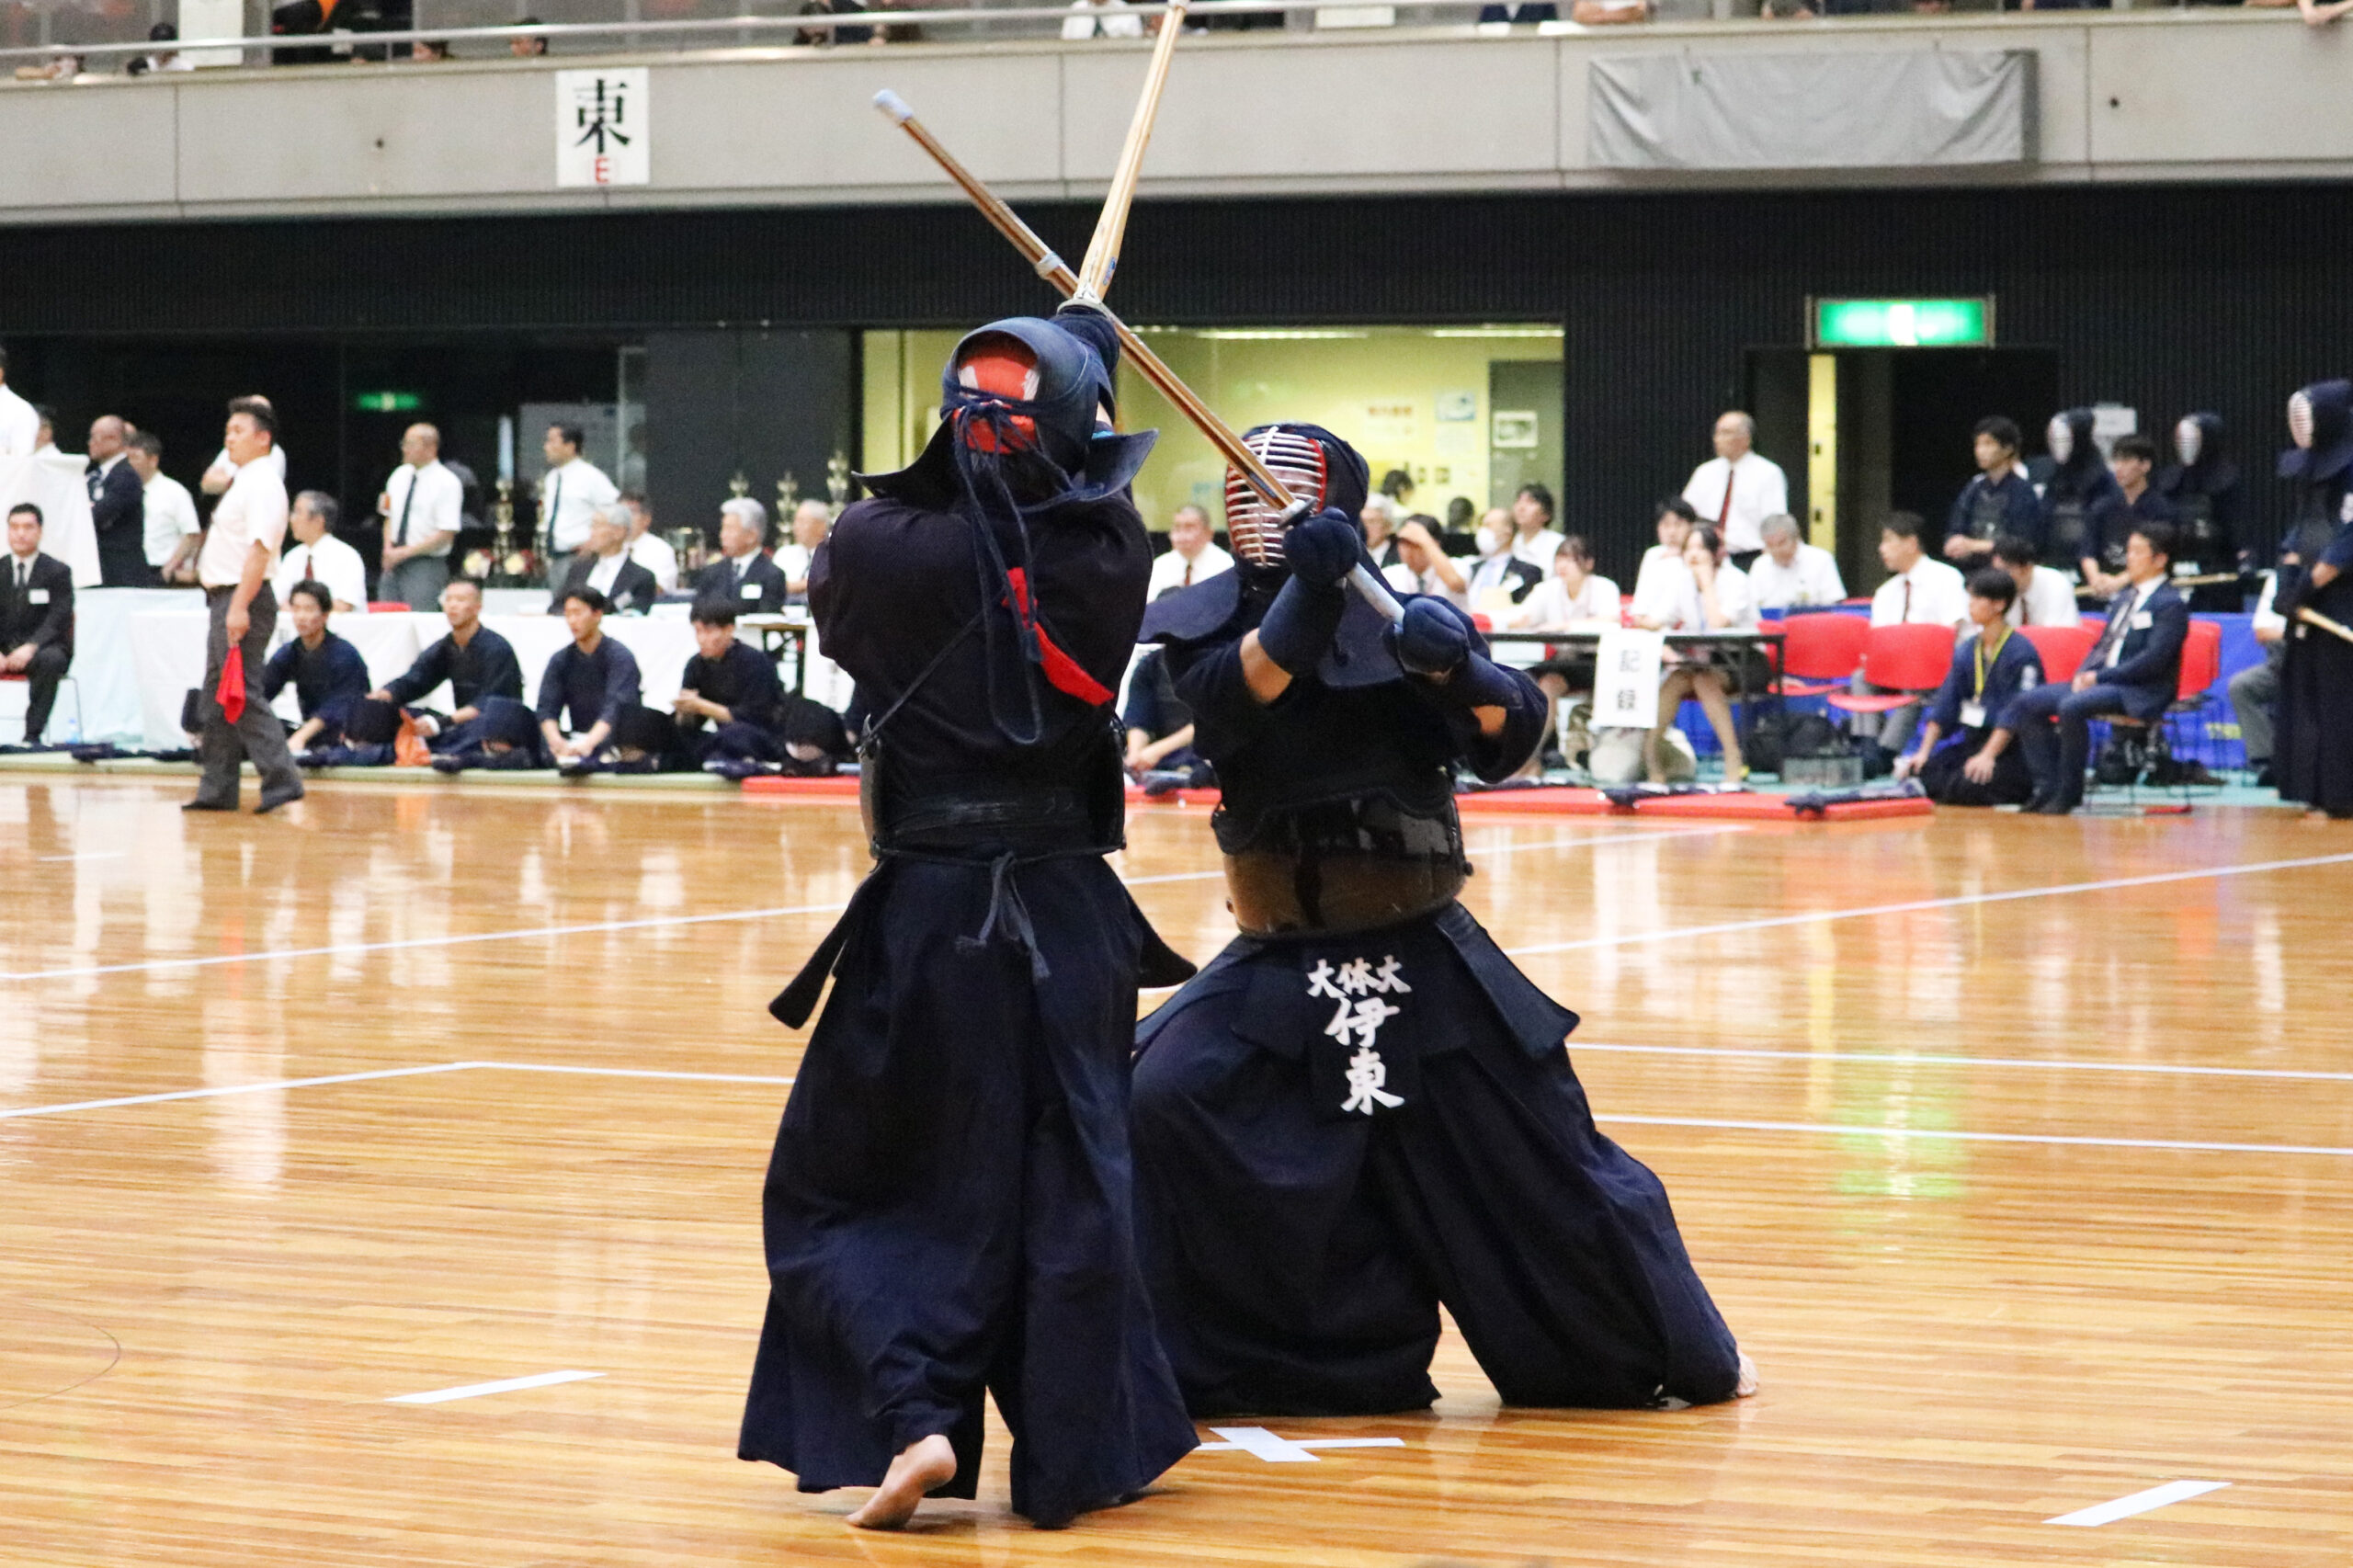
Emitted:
<point x="1314" y="464"/>
<point x="1024" y="384"/>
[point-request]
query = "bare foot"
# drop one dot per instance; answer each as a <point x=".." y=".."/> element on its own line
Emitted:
<point x="919" y="1467"/>
<point x="1741" y="1389"/>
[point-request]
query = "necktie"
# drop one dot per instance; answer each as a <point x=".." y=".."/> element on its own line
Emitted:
<point x="400" y="534"/>
<point x="555" y="503"/>
<point x="308" y="571"/>
<point x="1725" y="511"/>
<point x="1188" y="577"/>
<point x="1907" y="599"/>
<point x="24" y="575"/>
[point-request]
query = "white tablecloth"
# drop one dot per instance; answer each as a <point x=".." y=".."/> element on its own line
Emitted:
<point x="54" y="484"/>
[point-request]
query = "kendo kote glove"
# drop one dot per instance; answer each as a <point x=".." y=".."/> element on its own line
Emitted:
<point x="1300" y="624"/>
<point x="1434" y="641"/>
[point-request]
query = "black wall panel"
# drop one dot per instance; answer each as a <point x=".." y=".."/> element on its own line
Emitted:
<point x="2170" y="298"/>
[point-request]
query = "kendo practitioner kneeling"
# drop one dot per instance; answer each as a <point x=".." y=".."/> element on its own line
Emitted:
<point x="1361" y="1110"/>
<point x="949" y="1212"/>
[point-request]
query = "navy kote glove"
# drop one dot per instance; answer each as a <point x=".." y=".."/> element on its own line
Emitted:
<point x="1323" y="548"/>
<point x="1432" y="637"/>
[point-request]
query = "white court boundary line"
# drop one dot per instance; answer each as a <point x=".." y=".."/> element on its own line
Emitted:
<point x="667" y="921"/>
<point x="504" y="1385"/>
<point x="2139" y="1503"/>
<point x="1907" y="1058"/>
<point x="1834" y="1129"/>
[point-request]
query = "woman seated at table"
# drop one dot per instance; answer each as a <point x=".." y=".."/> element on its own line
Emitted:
<point x="1574" y="597"/>
<point x="1716" y="597"/>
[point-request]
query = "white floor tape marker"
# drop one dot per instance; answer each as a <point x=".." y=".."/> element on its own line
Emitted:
<point x="2139" y="1503"/>
<point x="1259" y="1443"/>
<point x="505" y="1385"/>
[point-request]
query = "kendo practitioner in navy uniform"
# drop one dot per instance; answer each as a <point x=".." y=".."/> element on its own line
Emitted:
<point x="2202" y="487"/>
<point x="1966" y="756"/>
<point x="1997" y="501"/>
<point x="2313" y="753"/>
<point x="1361" y="1110"/>
<point x="2080" y="500"/>
<point x="949" y="1211"/>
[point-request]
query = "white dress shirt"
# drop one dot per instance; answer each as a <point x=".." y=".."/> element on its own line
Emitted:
<point x="2137" y="605"/>
<point x="657" y="556"/>
<point x="252" y="512"/>
<point x="19" y="425"/>
<point x="1738" y="497"/>
<point x="429" y="500"/>
<point x="1929" y="593"/>
<point x="171" y="517"/>
<point x="607" y="567"/>
<point x="1659" y="583"/>
<point x="1734" y="602"/>
<point x="1538" y="547"/>
<point x="568" y="494"/>
<point x="1169" y="570"/>
<point x="1550" y="607"/>
<point x="2049" y="600"/>
<point x="2267" y="617"/>
<point x="1810" y="581"/>
<point x="276" y="459"/>
<point x="330" y="562"/>
<point x="1111" y="19"/>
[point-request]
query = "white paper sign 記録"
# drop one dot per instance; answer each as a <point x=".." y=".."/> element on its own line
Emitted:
<point x="1625" y="680"/>
<point x="602" y="127"/>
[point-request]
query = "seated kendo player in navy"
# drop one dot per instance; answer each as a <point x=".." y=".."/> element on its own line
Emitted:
<point x="1362" y="1111"/>
<point x="1965" y="756"/>
<point x="330" y="679"/>
<point x="476" y="663"/>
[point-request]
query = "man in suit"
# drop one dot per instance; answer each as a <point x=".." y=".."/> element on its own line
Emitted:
<point x="627" y="588"/>
<point x="2133" y="670"/>
<point x="35" y="617"/>
<point x="742" y="575"/>
<point x="117" y="507"/>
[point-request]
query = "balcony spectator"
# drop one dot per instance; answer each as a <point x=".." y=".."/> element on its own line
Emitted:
<point x="649" y="548"/>
<point x="1523" y="14"/>
<point x="1609" y="13"/>
<point x="528" y="48"/>
<point x="743" y="575"/>
<point x="1659" y="582"/>
<point x="1192" y="556"/>
<point x="2045" y="597"/>
<point x="429" y="51"/>
<point x="172" y="529"/>
<point x="1997" y="499"/>
<point x="1531" y="515"/>
<point x="1739" y="488"/>
<point x="313" y="554"/>
<point x="1965" y="756"/>
<point x="811" y="521"/>
<point x="35" y="617"/>
<point x="1101" y="18"/>
<point x="622" y="586"/>
<point x="118" y="506"/>
<point x="1790" y="573"/>
<point x="162" y="59"/>
<point x="20" y="424"/>
<point x="423" y="506"/>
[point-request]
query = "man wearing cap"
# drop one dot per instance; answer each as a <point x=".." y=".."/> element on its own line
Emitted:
<point x="947" y="1213"/>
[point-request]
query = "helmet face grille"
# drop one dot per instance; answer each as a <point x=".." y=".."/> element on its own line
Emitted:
<point x="2300" y="422"/>
<point x="1296" y="461"/>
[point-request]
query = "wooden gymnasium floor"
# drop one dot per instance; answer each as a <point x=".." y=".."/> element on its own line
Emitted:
<point x="2019" y="1153"/>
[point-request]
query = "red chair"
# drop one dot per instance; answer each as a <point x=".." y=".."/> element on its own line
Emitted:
<point x="2201" y="665"/>
<point x="2062" y="648"/>
<point x="1822" y="650"/>
<point x="1906" y="663"/>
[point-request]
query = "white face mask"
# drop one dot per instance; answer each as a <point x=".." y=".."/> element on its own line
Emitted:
<point x="2062" y="438"/>
<point x="2189" y="441"/>
<point x="2299" y="420"/>
<point x="1491" y="540"/>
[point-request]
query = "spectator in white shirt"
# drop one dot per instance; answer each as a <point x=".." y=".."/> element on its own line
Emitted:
<point x="1426" y="563"/>
<point x="811" y="521"/>
<point x="1500" y="581"/>
<point x="1192" y="556"/>
<point x="2045" y="597"/>
<point x="1790" y="573"/>
<point x="313" y="554"/>
<point x="570" y="495"/>
<point x="1537" y="539"/>
<point x="1919" y="591"/>
<point x="1718" y="601"/>
<point x="217" y="477"/>
<point x="1658" y="584"/>
<point x="1378" y="519"/>
<point x="19" y="425"/>
<point x="422" y="508"/>
<point x="1573" y="597"/>
<point x="1739" y="487"/>
<point x="647" y="548"/>
<point x="2255" y="690"/>
<point x="1101" y="18"/>
<point x="45" y="436"/>
<point x="172" y="528"/>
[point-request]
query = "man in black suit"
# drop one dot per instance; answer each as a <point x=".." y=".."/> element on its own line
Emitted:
<point x="2133" y="670"/>
<point x="743" y="575"/>
<point x="36" y="617"/>
<point x="118" y="506"/>
<point x="604" y="566"/>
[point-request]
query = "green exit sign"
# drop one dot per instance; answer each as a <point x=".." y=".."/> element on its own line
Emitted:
<point x="388" y="402"/>
<point x="1903" y="323"/>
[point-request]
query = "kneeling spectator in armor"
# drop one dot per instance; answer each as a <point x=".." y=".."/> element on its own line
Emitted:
<point x="330" y="678"/>
<point x="589" y="712"/>
<point x="730" y="707"/>
<point x="1976" y="765"/>
<point x="1160" y="731"/>
<point x="476" y="663"/>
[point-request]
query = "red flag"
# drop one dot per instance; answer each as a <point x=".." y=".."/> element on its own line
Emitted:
<point x="233" y="684"/>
